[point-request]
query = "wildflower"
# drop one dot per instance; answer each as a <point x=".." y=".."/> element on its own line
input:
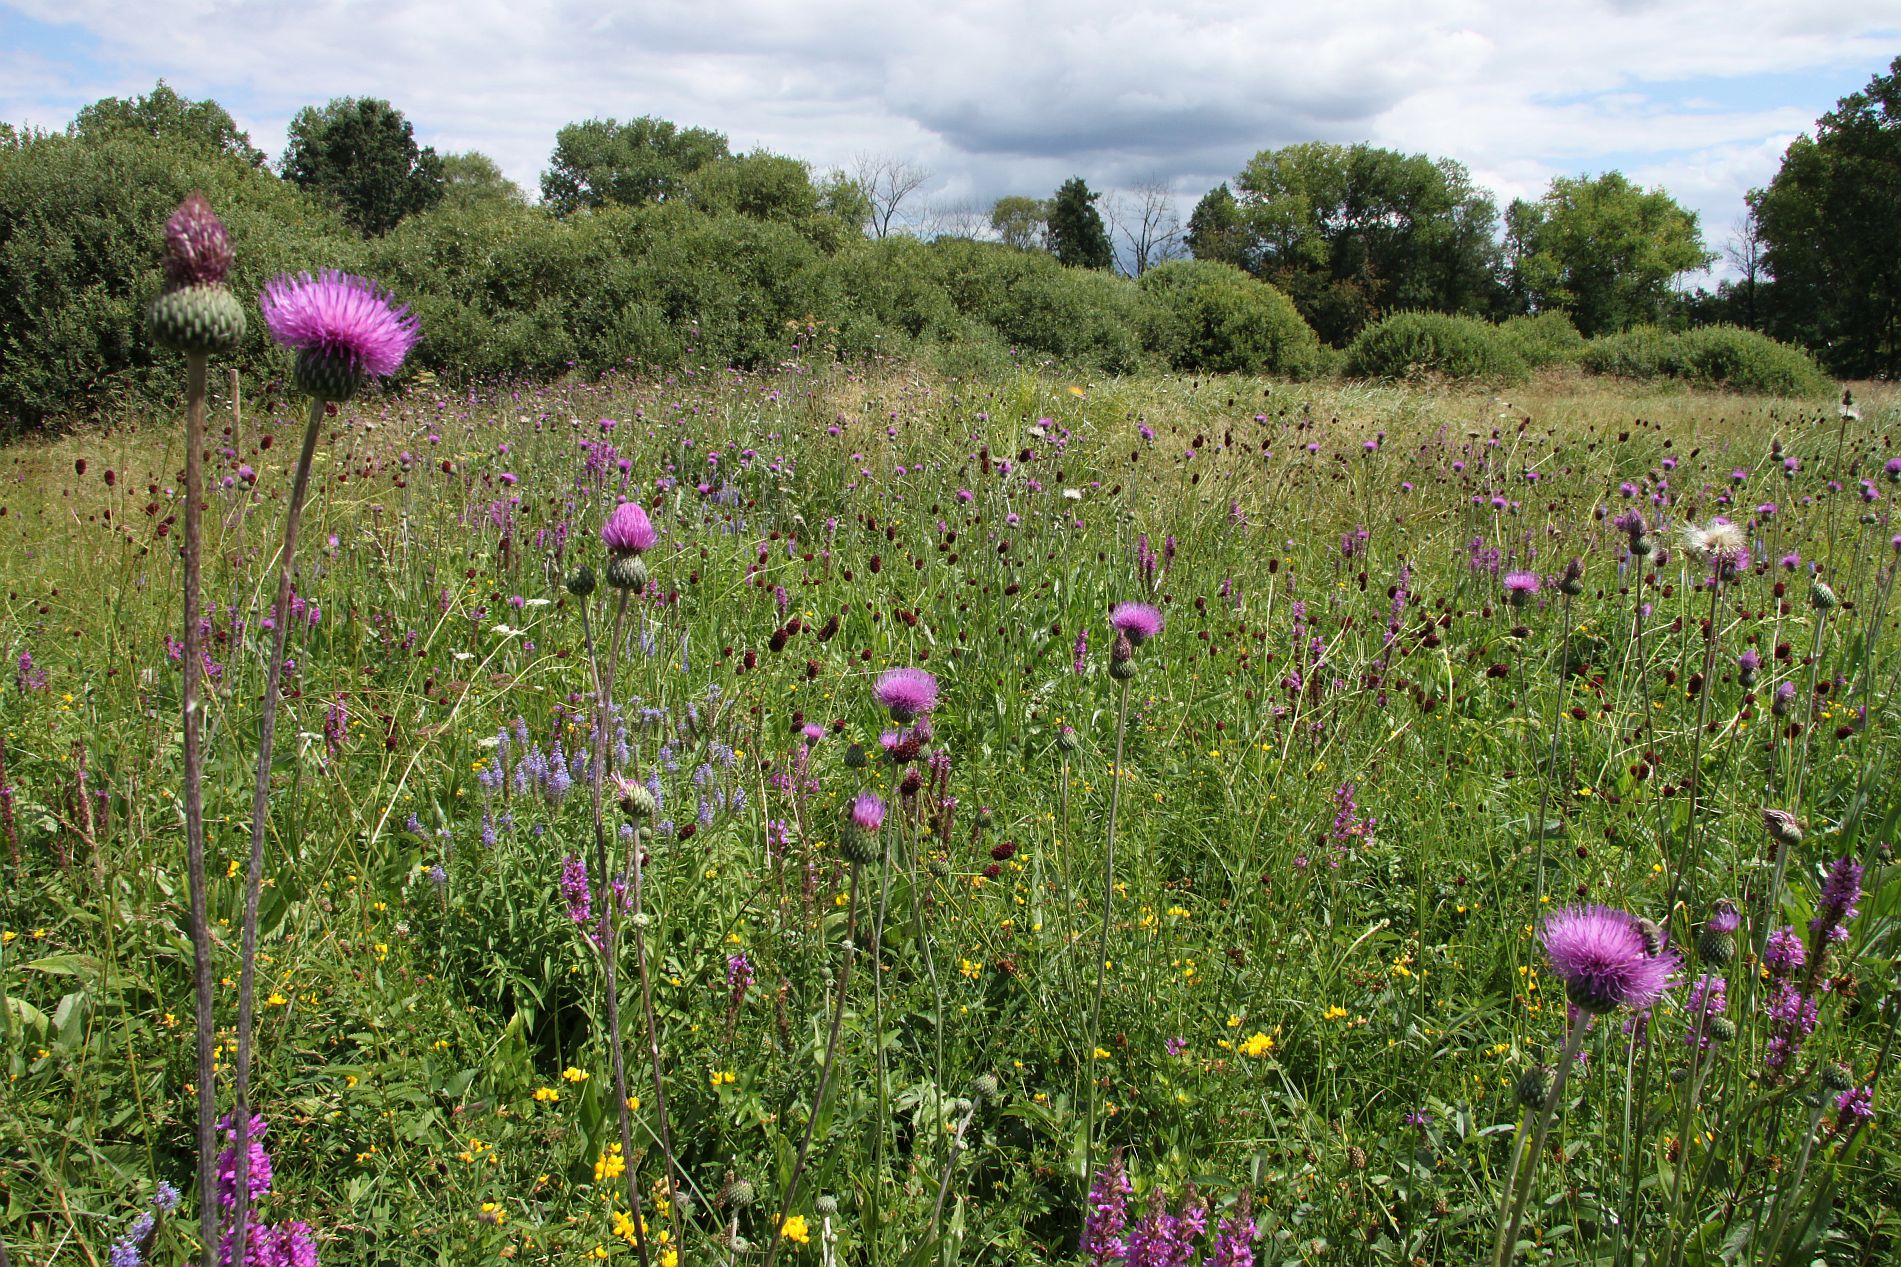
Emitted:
<point x="1520" y="587"/>
<point x="345" y="330"/>
<point x="796" y="1229"/>
<point x="1606" y="959"/>
<point x="906" y="693"/>
<point x="196" y="314"/>
<point x="574" y="887"/>
<point x="628" y="530"/>
<point x="1138" y="622"/>
<point x="1840" y="891"/>
<point x="1103" y="1240"/>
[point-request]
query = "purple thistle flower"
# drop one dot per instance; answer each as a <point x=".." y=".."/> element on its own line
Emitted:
<point x="1138" y="622"/>
<point x="628" y="530"/>
<point x="907" y="693"/>
<point x="1606" y="959"/>
<point x="867" y="812"/>
<point x="1724" y="918"/>
<point x="1521" y="586"/>
<point x="197" y="248"/>
<point x="338" y="316"/>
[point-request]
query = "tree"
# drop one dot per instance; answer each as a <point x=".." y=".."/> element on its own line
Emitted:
<point x="1076" y="235"/>
<point x="1150" y="229"/>
<point x="1830" y="224"/>
<point x="473" y="179"/>
<point x="1744" y="253"/>
<point x="887" y="181"/>
<point x="1216" y="230"/>
<point x="1352" y="233"/>
<point x="602" y="162"/>
<point x="360" y="155"/>
<point x="1018" y="221"/>
<point x="163" y="115"/>
<point x="1603" y="251"/>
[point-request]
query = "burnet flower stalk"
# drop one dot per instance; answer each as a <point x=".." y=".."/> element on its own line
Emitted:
<point x="1135" y="624"/>
<point x="346" y="331"/>
<point x="1607" y="959"/>
<point x="197" y="315"/>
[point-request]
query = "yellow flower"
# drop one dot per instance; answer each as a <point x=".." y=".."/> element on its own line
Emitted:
<point x="1334" y="1013"/>
<point x="609" y="1165"/>
<point x="571" y="1074"/>
<point x="546" y="1095"/>
<point x="796" y="1230"/>
<point x="492" y="1212"/>
<point x="723" y="1077"/>
<point x="276" y="1000"/>
<point x="1256" y="1044"/>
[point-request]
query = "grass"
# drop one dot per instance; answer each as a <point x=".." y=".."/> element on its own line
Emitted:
<point x="1323" y="985"/>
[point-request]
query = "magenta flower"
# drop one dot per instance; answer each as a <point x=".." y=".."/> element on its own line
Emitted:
<point x="1520" y="586"/>
<point x="867" y="812"/>
<point x="907" y="693"/>
<point x="1606" y="958"/>
<point x="340" y="317"/>
<point x="1136" y="621"/>
<point x="628" y="530"/>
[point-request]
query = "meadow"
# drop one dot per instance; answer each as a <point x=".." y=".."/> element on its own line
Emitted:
<point x="1421" y="685"/>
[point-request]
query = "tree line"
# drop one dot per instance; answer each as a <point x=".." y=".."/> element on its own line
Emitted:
<point x="649" y="238"/>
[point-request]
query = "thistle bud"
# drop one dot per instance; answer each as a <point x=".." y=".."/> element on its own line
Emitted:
<point x="855" y="758"/>
<point x="1837" y="1078"/>
<point x="1782" y="826"/>
<point x="580" y="582"/>
<point x="627" y="571"/>
<point x="1722" y="1029"/>
<point x="1642" y="544"/>
<point x="826" y="1206"/>
<point x="636" y="799"/>
<point x="1715" y="949"/>
<point x="939" y="867"/>
<point x="1122" y="670"/>
<point x="1534" y="1085"/>
<point x="985" y="1087"/>
<point x="1571" y="583"/>
<point x="738" y="1193"/>
<point x="1066" y="739"/>
<point x="859" y="846"/>
<point x="1822" y="598"/>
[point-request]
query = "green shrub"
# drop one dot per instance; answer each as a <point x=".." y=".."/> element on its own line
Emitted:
<point x="1416" y="344"/>
<point x="1204" y="315"/>
<point x="81" y="228"/>
<point x="1710" y="356"/>
<point x="1548" y="338"/>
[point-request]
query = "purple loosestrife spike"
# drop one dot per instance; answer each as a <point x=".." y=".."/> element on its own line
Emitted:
<point x="1605" y="960"/>
<point x="906" y="693"/>
<point x="1138" y="622"/>
<point x="345" y="330"/>
<point x="1108" y="1216"/>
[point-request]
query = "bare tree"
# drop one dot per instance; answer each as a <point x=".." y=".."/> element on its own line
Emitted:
<point x="1744" y="253"/>
<point x="951" y="220"/>
<point x="887" y="180"/>
<point x="1145" y="220"/>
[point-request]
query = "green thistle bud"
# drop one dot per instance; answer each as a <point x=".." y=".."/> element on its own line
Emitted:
<point x="1715" y="949"/>
<point x="1722" y="1029"/>
<point x="1533" y="1086"/>
<point x="197" y="320"/>
<point x="1643" y="545"/>
<point x="985" y="1088"/>
<point x="627" y="572"/>
<point x="1121" y="670"/>
<point x="855" y="758"/>
<point x="580" y="582"/>
<point x="939" y="867"/>
<point x="1066" y="739"/>
<point x="738" y="1193"/>
<point x="1782" y="826"/>
<point x="1822" y="598"/>
<point x="331" y="378"/>
<point x="826" y="1206"/>
<point x="858" y="846"/>
<point x="1837" y="1078"/>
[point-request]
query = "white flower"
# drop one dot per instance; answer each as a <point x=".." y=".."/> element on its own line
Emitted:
<point x="1073" y="494"/>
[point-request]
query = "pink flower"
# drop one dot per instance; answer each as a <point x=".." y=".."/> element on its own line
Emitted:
<point x="628" y="530"/>
<point x="339" y="316"/>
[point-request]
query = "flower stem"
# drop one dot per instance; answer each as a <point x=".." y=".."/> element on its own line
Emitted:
<point x="610" y="917"/>
<point x="260" y="811"/>
<point x="1108" y="916"/>
<point x="195" y="809"/>
<point x="1524" y="1175"/>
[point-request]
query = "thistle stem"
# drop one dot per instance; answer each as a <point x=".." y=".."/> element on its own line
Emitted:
<point x="195" y="810"/>
<point x="260" y="811"/>
<point x="1108" y="916"/>
<point x="1525" y="1164"/>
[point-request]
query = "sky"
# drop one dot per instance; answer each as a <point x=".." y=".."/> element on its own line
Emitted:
<point x="1700" y="97"/>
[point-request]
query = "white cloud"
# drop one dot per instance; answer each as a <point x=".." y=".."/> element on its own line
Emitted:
<point x="1001" y="97"/>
